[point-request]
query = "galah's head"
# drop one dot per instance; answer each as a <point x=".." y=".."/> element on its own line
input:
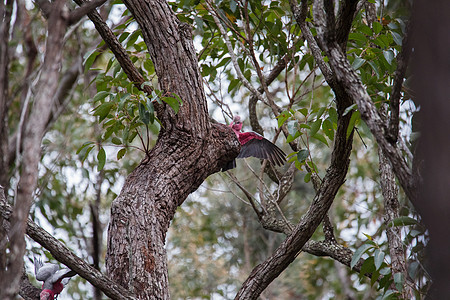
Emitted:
<point x="237" y="123"/>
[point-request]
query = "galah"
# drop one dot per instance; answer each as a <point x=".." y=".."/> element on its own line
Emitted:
<point x="254" y="144"/>
<point x="53" y="277"/>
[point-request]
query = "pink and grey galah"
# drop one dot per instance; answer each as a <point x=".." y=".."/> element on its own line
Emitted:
<point x="53" y="277"/>
<point x="255" y="145"/>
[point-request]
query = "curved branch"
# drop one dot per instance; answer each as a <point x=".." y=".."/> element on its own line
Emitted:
<point x="116" y="47"/>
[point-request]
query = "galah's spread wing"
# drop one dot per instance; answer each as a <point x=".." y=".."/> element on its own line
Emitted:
<point x="262" y="148"/>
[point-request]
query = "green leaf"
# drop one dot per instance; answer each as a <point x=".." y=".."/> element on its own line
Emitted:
<point x="357" y="36"/>
<point x="315" y="127"/>
<point x="379" y="258"/>
<point x="368" y="266"/>
<point x="291" y="137"/>
<point x="103" y="110"/>
<point x="350" y="108"/>
<point x="358" y="62"/>
<point x="116" y="141"/>
<point x="321" y="138"/>
<point x="399" y="280"/>
<point x="390" y="294"/>
<point x="375" y="68"/>
<point x="412" y="269"/>
<point x="84" y="146"/>
<point x="121" y="153"/>
<point x="358" y="253"/>
<point x="307" y="177"/>
<point x="404" y="221"/>
<point x="100" y="96"/>
<point x="89" y="59"/>
<point x="123" y="36"/>
<point x="377" y="27"/>
<point x="397" y="38"/>
<point x="354" y="120"/>
<point x="151" y="110"/>
<point x="302" y="155"/>
<point x="223" y="62"/>
<point x="101" y="157"/>
<point x="333" y="115"/>
<point x="133" y="37"/>
<point x="173" y="102"/>
<point x="144" y="114"/>
<point x="327" y="127"/>
<point x="282" y="118"/>
<point x="88" y="150"/>
<point x="388" y="55"/>
<point x="233" y="84"/>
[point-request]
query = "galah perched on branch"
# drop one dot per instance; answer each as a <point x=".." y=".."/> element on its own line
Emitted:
<point x="53" y="277"/>
<point x="254" y="144"/>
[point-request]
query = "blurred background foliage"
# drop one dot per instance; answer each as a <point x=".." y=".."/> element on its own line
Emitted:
<point x="215" y="239"/>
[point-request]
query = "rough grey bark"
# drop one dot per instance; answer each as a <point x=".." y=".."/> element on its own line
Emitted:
<point x="189" y="148"/>
<point x="431" y="61"/>
<point x="389" y="190"/>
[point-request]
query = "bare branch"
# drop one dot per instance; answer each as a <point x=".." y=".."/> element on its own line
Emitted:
<point x="344" y="22"/>
<point x="116" y="47"/>
<point x="83" y="10"/>
<point x="232" y="54"/>
<point x="399" y="75"/>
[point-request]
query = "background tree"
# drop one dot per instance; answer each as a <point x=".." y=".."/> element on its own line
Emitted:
<point x="323" y="69"/>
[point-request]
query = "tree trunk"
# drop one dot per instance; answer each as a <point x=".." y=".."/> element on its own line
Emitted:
<point x="189" y="148"/>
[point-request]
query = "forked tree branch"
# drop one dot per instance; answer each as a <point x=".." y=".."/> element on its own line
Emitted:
<point x="347" y="78"/>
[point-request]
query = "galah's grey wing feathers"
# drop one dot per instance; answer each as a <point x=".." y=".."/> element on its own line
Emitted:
<point x="37" y="264"/>
<point x="46" y="271"/>
<point x="61" y="274"/>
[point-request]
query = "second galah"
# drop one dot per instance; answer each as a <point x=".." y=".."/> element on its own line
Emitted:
<point x="53" y="277"/>
<point x="254" y="144"/>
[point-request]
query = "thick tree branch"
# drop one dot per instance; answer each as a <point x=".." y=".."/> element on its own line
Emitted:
<point x="389" y="190"/>
<point x="399" y="75"/>
<point x="346" y="15"/>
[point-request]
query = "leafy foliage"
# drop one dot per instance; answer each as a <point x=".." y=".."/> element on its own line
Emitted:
<point x="215" y="239"/>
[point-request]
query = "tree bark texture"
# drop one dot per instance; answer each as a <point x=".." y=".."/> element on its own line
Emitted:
<point x="189" y="148"/>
